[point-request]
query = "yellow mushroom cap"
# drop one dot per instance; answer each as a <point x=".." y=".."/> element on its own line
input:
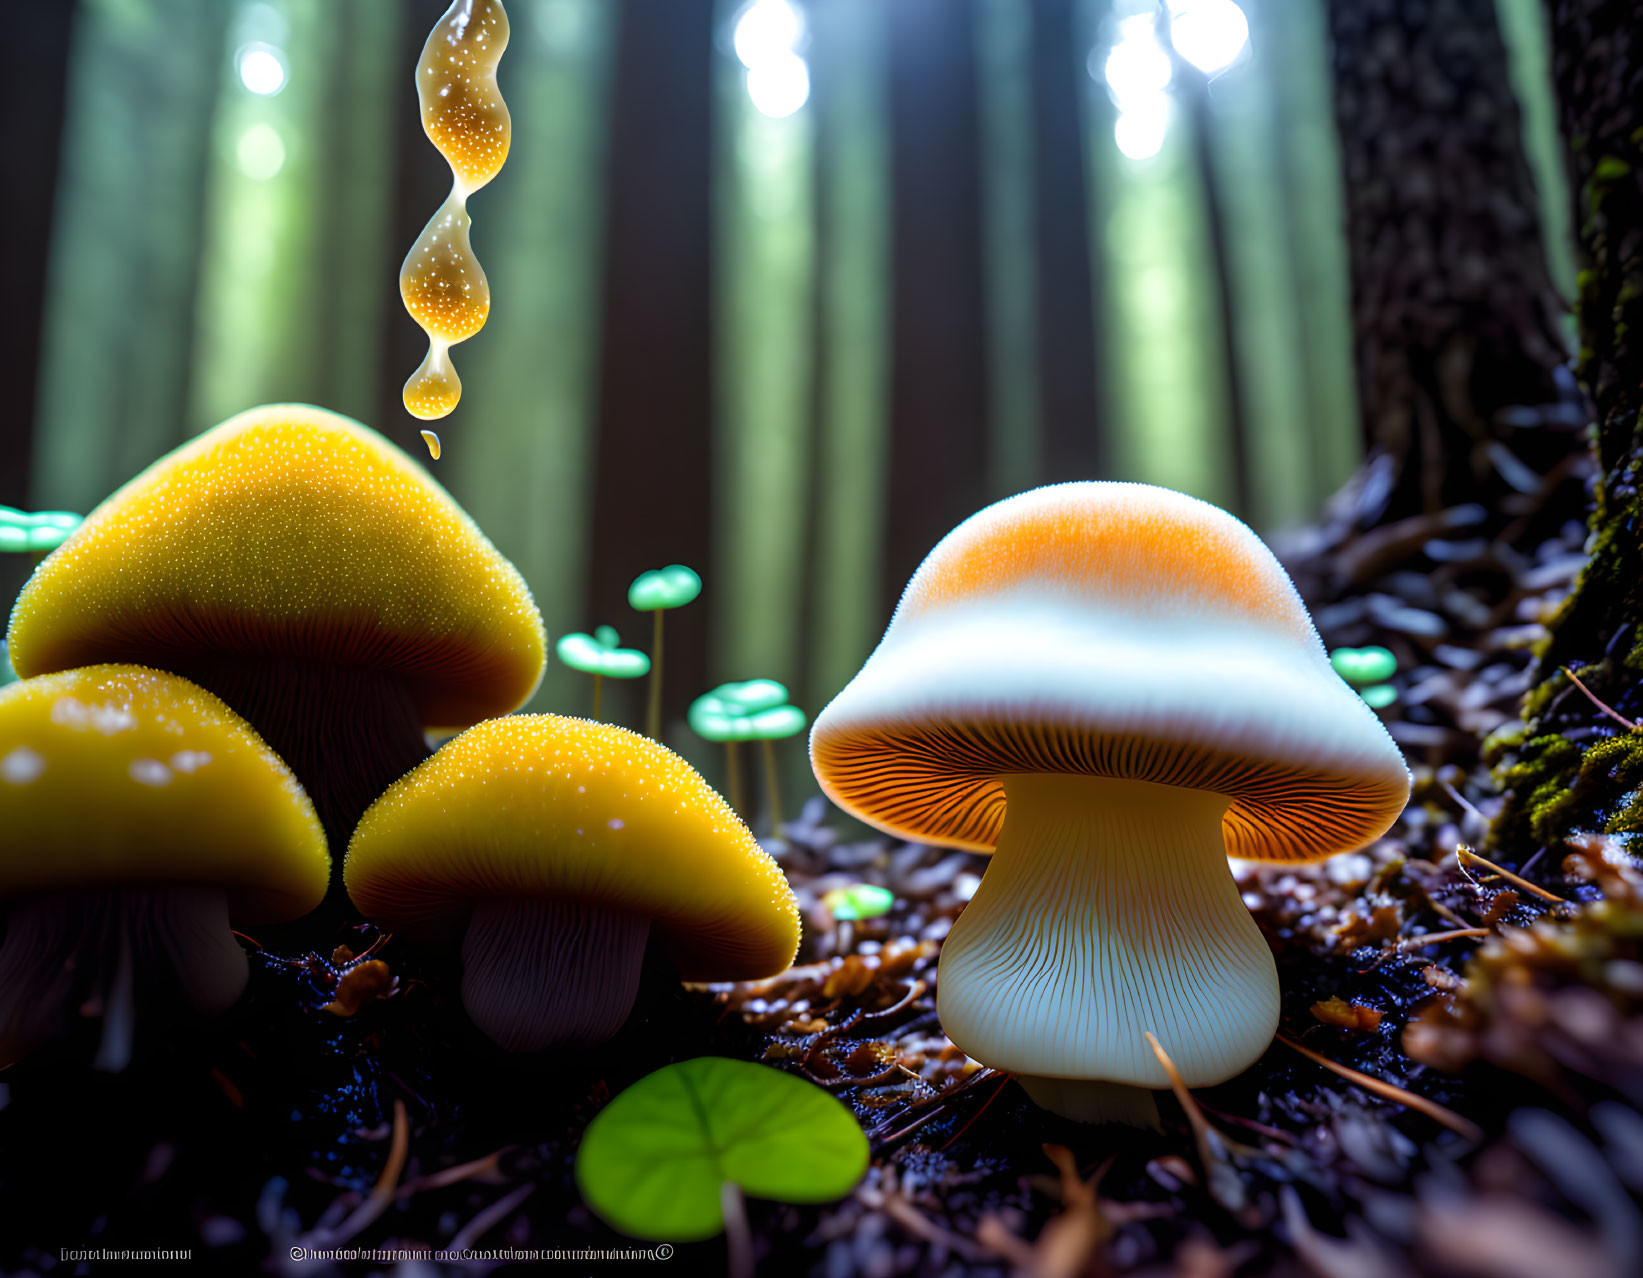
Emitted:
<point x="116" y="775"/>
<point x="289" y="531"/>
<point x="1116" y="630"/>
<point x="545" y="806"/>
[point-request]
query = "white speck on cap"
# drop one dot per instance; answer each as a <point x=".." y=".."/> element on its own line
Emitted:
<point x="150" y="772"/>
<point x="21" y="766"/>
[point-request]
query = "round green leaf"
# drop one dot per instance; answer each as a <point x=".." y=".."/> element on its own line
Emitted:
<point x="670" y="587"/>
<point x="14" y="538"/>
<point x="654" y="1160"/>
<point x="1379" y="695"/>
<point x="597" y="654"/>
<point x="1361" y="666"/>
<point x="858" y="901"/>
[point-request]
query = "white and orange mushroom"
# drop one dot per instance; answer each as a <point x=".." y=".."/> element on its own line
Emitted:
<point x="1110" y="687"/>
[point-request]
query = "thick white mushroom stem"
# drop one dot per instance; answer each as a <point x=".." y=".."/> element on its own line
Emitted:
<point x="1108" y="910"/>
<point x="540" y="974"/>
<point x="103" y="952"/>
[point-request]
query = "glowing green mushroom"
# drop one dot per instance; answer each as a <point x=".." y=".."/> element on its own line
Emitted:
<point x="656" y="592"/>
<point x="850" y="905"/>
<point x="38" y="533"/>
<point x="756" y="710"/>
<point x="602" y="656"/>
<point x="1367" y="670"/>
<point x="672" y="1157"/>
<point x="859" y="901"/>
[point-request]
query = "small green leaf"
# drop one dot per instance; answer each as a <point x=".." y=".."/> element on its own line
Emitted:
<point x="654" y="1160"/>
<point x="670" y="587"/>
<point x="1360" y="666"/>
<point x="1379" y="695"/>
<point x="858" y="901"/>
<point x="598" y="654"/>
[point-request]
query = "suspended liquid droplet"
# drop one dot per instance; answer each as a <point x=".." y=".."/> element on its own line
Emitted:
<point x="432" y="440"/>
<point x="464" y="116"/>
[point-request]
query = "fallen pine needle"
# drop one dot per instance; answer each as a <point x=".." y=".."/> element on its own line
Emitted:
<point x="383" y="1192"/>
<point x="482" y="1167"/>
<point x="1220" y="1178"/>
<point x="891" y="1201"/>
<point x="482" y="1224"/>
<point x="1392" y="1092"/>
<point x="1195" y="1116"/>
<point x="1465" y="854"/>
<point x="1003" y="1083"/>
<point x="1435" y="938"/>
<point x="1591" y="696"/>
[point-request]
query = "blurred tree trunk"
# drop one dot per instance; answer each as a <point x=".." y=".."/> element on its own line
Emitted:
<point x="1475" y="487"/>
<point x="1068" y="338"/>
<point x="1455" y="312"/>
<point x="31" y="121"/>
<point x="939" y="383"/>
<point x="653" y="476"/>
<point x="1573" y="766"/>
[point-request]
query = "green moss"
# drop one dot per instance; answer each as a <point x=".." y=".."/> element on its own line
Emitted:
<point x="1555" y="787"/>
<point x="1610" y="168"/>
<point x="1536" y="781"/>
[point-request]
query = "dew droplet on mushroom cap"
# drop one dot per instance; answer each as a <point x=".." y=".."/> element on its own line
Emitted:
<point x="141" y="817"/>
<point x="314" y="577"/>
<point x="1111" y="687"/>
<point x="582" y="842"/>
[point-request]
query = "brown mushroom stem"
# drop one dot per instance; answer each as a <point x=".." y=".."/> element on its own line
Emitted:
<point x="348" y="732"/>
<point x="103" y="952"/>
<point x="773" y="787"/>
<point x="1108" y="910"/>
<point x="653" y="704"/>
<point x="543" y="973"/>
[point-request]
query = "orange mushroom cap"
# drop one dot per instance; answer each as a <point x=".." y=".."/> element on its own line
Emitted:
<point x="1115" y="630"/>
<point x="290" y="531"/>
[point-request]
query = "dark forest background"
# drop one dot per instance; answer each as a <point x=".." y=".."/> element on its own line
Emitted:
<point x="990" y="250"/>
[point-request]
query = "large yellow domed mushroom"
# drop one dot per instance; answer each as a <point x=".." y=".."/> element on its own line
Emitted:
<point x="557" y="847"/>
<point x="314" y="577"/>
<point x="1110" y="687"/>
<point x="141" y="815"/>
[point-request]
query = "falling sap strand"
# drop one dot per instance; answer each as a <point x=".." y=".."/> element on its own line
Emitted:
<point x="432" y="440"/>
<point x="463" y="114"/>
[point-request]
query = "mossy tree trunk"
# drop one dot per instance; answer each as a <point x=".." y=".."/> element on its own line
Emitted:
<point x="1454" y="309"/>
<point x="1573" y="766"/>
